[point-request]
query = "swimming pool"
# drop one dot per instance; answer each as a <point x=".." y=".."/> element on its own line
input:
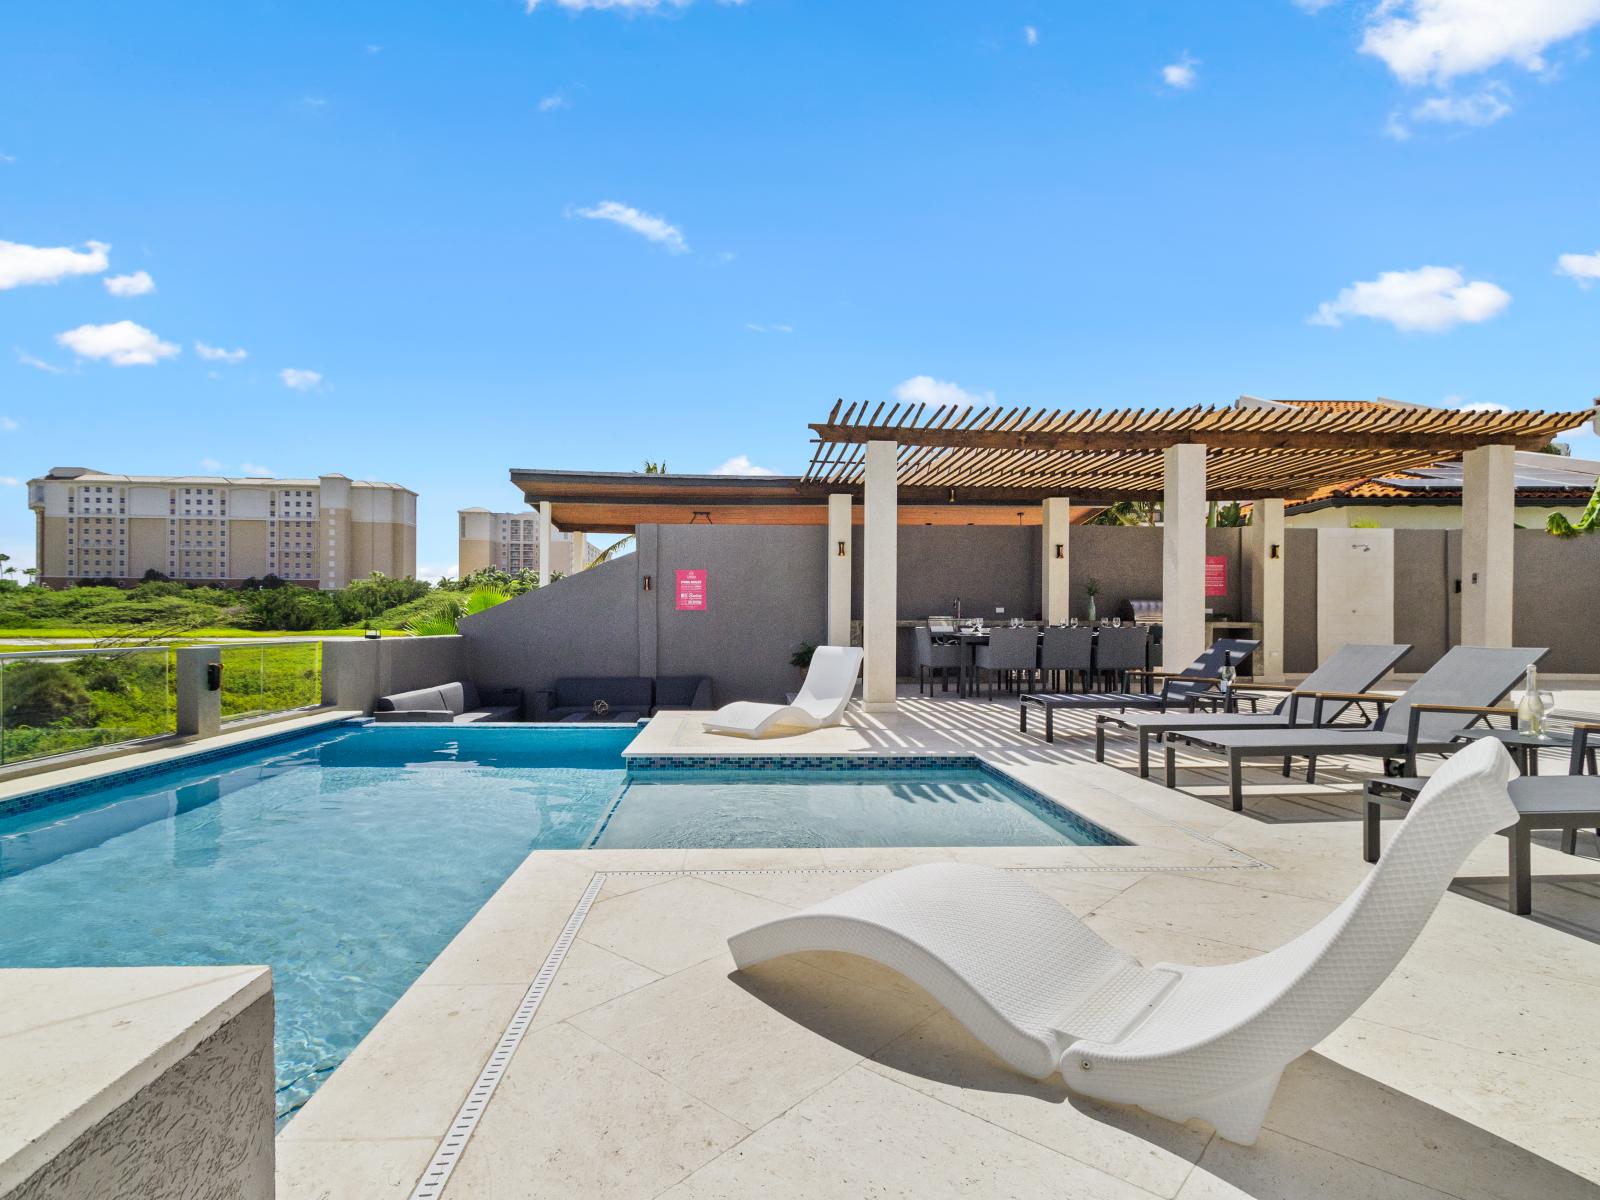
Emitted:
<point x="347" y="858"/>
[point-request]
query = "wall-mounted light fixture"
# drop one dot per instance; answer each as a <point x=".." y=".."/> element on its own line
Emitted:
<point x="647" y="583"/>
<point x="951" y="497"/>
<point x="841" y="550"/>
<point x="1061" y="550"/>
<point x="698" y="513"/>
<point x="1275" y="551"/>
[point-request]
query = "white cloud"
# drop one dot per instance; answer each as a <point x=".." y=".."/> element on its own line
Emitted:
<point x="210" y="464"/>
<point x="1484" y="406"/>
<point x="21" y="265"/>
<point x="38" y="364"/>
<point x="1480" y="108"/>
<point x="122" y="342"/>
<point x="740" y="464"/>
<point x="300" y="380"/>
<point x="552" y="103"/>
<point x="7" y="159"/>
<point x="1181" y="74"/>
<point x="656" y="229"/>
<point x="10" y="481"/>
<point x="137" y="284"/>
<point x="925" y="389"/>
<point x="1030" y="34"/>
<point x="755" y="327"/>
<point x="218" y="354"/>
<point x="256" y="469"/>
<point x="9" y="425"/>
<point x="1425" y="41"/>
<point x="433" y="572"/>
<point x="1585" y="268"/>
<point x="1430" y="299"/>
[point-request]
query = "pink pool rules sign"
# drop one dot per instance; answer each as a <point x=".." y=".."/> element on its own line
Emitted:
<point x="691" y="591"/>
<point x="1216" y="575"/>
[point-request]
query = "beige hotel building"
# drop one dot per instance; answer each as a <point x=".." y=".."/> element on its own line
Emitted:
<point x="320" y="533"/>
<point x="510" y="541"/>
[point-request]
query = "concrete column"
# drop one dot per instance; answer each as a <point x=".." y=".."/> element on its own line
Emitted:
<point x="1488" y="522"/>
<point x="1265" y="548"/>
<point x="1056" y="523"/>
<point x="580" y="552"/>
<point x="880" y="577"/>
<point x="199" y="705"/>
<point x="839" y="548"/>
<point x="544" y="543"/>
<point x="1183" y="555"/>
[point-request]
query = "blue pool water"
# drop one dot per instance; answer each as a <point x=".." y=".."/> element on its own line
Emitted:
<point x="347" y="860"/>
<point x="786" y="809"/>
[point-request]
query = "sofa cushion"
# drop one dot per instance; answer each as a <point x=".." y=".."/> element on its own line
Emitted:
<point x="469" y="696"/>
<point x="618" y="691"/>
<point x="679" y="691"/>
<point x="421" y="698"/>
<point x="454" y="697"/>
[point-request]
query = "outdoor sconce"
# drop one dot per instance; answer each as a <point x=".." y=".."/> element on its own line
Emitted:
<point x="1273" y="552"/>
<point x="841" y="550"/>
<point x="647" y="583"/>
<point x="1061" y="551"/>
<point x="698" y="513"/>
<point x="951" y="498"/>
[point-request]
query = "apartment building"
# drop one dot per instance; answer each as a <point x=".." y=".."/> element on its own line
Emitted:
<point x="510" y="541"/>
<point x="320" y="533"/>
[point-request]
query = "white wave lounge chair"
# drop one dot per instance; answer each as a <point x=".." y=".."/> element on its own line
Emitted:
<point x="830" y="682"/>
<point x="1042" y="990"/>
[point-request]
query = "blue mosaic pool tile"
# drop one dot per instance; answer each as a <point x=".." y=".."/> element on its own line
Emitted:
<point x="801" y="762"/>
<point x="33" y="801"/>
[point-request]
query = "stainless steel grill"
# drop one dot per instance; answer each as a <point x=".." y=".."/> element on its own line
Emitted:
<point x="1142" y="612"/>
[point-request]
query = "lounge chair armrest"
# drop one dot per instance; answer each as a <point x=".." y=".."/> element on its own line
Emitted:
<point x="1581" y="731"/>
<point x="1342" y="698"/>
<point x="1473" y="710"/>
<point x="1267" y="687"/>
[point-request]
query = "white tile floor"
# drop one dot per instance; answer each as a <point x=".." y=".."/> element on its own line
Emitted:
<point x="653" y="1069"/>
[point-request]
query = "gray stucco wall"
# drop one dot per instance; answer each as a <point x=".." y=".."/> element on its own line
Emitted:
<point x="1422" y="584"/>
<point x="1300" y="601"/>
<point x="355" y="672"/>
<point x="203" y="1129"/>
<point x="1558" y="599"/>
<point x="1125" y="561"/>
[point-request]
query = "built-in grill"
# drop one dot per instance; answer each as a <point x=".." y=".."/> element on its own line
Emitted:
<point x="1142" y="612"/>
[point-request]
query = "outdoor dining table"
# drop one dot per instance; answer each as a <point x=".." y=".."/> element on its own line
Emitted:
<point x="1524" y="745"/>
<point x="970" y="639"/>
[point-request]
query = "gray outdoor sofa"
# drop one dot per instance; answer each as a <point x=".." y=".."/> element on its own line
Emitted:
<point x="460" y="703"/>
<point x="624" y="697"/>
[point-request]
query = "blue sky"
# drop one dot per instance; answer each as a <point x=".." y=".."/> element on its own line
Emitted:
<point x="480" y="235"/>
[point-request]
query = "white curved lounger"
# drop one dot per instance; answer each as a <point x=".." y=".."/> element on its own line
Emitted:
<point x="1044" y="992"/>
<point x="830" y="682"/>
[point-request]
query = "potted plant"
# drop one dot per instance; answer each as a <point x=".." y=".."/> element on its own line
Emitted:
<point x="1091" y="589"/>
<point x="801" y="658"/>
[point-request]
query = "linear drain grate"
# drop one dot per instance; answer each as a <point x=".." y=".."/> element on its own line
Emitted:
<point x="455" y="1140"/>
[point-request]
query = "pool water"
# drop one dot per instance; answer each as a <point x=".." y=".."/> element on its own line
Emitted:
<point x="346" y="859"/>
<point x="893" y="807"/>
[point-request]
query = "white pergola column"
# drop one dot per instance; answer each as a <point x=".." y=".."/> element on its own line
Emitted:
<point x="580" y="551"/>
<point x="1265" y="548"/>
<point x="1056" y="522"/>
<point x="1183" y="555"/>
<point x="544" y="542"/>
<point x="1488" y="522"/>
<point x="880" y="577"/>
<point x="839" y="551"/>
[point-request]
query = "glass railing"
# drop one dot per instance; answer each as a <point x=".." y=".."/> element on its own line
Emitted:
<point x="260" y="678"/>
<point x="59" y="701"/>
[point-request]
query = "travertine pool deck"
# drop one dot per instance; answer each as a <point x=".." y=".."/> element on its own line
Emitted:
<point x="652" y="1069"/>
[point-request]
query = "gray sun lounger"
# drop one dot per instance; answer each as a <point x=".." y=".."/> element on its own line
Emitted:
<point x="1179" y="690"/>
<point x="1453" y="694"/>
<point x="1352" y="668"/>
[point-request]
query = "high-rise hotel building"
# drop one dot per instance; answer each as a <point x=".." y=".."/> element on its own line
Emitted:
<point x="322" y="532"/>
<point x="510" y="541"/>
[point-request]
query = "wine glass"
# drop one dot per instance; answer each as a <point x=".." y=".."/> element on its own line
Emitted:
<point x="1116" y="622"/>
<point x="1547" y="706"/>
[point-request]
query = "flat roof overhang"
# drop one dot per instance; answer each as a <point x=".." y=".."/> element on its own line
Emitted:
<point x="621" y="501"/>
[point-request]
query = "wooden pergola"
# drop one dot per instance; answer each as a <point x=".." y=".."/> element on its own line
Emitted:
<point x="1273" y="450"/>
<point x="1262" y="451"/>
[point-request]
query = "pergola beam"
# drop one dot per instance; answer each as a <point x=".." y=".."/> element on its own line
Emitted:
<point x="1441" y="443"/>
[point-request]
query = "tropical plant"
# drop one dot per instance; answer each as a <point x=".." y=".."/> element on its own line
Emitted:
<point x="655" y="468"/>
<point x="1588" y="520"/>
<point x="1126" y="512"/>
<point x="801" y="657"/>
<point x="1227" y="516"/>
<point x="1091" y="588"/>
<point x="616" y="550"/>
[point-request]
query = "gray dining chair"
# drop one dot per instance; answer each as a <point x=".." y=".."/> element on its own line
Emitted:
<point x="1009" y="651"/>
<point x="1065" y="651"/>
<point x="1118" y="651"/>
<point x="936" y="655"/>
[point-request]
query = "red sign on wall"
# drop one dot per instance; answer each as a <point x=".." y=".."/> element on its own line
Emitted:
<point x="691" y="591"/>
<point x="1216" y="575"/>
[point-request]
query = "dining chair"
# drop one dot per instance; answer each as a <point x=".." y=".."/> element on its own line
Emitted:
<point x="1119" y="651"/>
<point x="939" y="655"/>
<point x="1064" y="651"/>
<point x="1010" y="651"/>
